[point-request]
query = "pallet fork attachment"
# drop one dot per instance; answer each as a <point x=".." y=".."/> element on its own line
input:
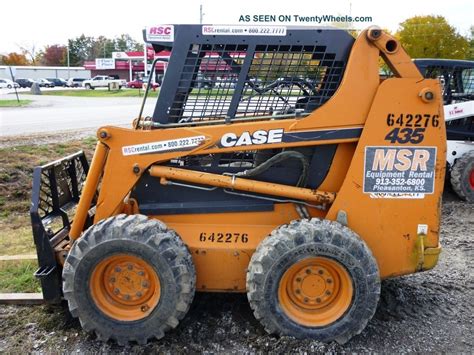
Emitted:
<point x="57" y="187"/>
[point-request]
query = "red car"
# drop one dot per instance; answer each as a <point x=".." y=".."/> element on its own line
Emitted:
<point x="138" y="84"/>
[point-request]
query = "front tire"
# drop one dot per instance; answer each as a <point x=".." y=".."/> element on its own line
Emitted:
<point x="129" y="278"/>
<point x="313" y="279"/>
<point x="88" y="87"/>
<point x="462" y="177"/>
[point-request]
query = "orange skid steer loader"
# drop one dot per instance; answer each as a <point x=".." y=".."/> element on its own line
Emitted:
<point x="276" y="162"/>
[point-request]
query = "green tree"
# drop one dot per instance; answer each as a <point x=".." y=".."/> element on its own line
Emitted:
<point x="125" y="43"/>
<point x="80" y="49"/>
<point x="471" y="45"/>
<point x="432" y="37"/>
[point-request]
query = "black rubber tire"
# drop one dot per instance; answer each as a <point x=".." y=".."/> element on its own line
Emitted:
<point x="149" y="239"/>
<point x="460" y="175"/>
<point x="308" y="238"/>
<point x="9" y="86"/>
<point x="88" y="87"/>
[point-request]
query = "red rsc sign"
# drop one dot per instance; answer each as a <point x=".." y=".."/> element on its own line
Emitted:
<point x="161" y="30"/>
<point x="163" y="33"/>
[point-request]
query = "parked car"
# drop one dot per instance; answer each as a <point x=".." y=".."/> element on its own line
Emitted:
<point x="44" y="83"/>
<point x="24" y="83"/>
<point x="8" y="84"/>
<point x="75" y="82"/>
<point x="138" y="84"/>
<point x="103" y="81"/>
<point x="58" y="81"/>
<point x="203" y="82"/>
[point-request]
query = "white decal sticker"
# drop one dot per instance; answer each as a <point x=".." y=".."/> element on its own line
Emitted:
<point x="247" y="138"/>
<point x="160" y="33"/>
<point x="399" y="172"/>
<point x="244" y="30"/>
<point x="163" y="146"/>
<point x="422" y="229"/>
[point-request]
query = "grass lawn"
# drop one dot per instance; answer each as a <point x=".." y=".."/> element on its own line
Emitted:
<point x="17" y="276"/>
<point x="14" y="103"/>
<point x="16" y="170"/>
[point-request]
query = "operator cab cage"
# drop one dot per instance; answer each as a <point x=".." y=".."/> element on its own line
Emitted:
<point x="456" y="76"/>
<point x="282" y="72"/>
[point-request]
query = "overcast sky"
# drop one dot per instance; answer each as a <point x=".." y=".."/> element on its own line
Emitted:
<point x="44" y="22"/>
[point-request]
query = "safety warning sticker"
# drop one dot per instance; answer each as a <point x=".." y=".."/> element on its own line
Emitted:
<point x="399" y="172"/>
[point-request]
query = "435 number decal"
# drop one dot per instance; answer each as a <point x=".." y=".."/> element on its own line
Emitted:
<point x="224" y="237"/>
<point x="406" y="135"/>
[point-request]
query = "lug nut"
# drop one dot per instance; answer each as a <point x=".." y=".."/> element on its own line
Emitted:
<point x="130" y="266"/>
<point x="144" y="308"/>
<point x="328" y="281"/>
<point x="298" y="291"/>
<point x="112" y="279"/>
<point x="141" y="273"/>
<point x="306" y="299"/>
<point x="298" y="279"/>
<point x="318" y="300"/>
<point x="116" y="291"/>
<point x="308" y="271"/>
<point x="145" y="284"/>
<point x="139" y="294"/>
<point x="127" y="297"/>
<point x="118" y="269"/>
<point x="328" y="293"/>
<point x="320" y="272"/>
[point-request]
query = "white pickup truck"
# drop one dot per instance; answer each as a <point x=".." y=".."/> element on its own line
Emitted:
<point x="103" y="81"/>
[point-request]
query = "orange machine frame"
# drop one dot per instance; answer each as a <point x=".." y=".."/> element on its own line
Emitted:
<point x="390" y="227"/>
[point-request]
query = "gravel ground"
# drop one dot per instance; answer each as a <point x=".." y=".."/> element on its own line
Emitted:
<point x="425" y="312"/>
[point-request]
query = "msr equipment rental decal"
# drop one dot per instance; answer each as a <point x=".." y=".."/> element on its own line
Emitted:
<point x="399" y="172"/>
<point x="186" y="143"/>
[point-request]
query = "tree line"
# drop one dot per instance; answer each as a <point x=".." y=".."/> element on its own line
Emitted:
<point x="421" y="36"/>
<point x="81" y="48"/>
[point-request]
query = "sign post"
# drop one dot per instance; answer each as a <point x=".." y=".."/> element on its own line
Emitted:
<point x="12" y="73"/>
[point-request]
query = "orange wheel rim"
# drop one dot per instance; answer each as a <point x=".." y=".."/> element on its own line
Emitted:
<point x="315" y="292"/>
<point x="125" y="287"/>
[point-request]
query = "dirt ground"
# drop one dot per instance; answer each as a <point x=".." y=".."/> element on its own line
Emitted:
<point x="425" y="312"/>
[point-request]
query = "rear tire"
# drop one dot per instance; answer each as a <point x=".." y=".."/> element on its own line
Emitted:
<point x="313" y="279"/>
<point x="462" y="177"/>
<point x="129" y="278"/>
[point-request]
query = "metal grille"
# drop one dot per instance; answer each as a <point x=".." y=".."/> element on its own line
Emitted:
<point x="283" y="79"/>
<point x="222" y="81"/>
<point x="63" y="185"/>
<point x="457" y="83"/>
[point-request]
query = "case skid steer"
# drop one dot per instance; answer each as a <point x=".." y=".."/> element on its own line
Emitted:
<point x="295" y="175"/>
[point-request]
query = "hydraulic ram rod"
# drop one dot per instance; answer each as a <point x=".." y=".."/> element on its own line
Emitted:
<point x="236" y="183"/>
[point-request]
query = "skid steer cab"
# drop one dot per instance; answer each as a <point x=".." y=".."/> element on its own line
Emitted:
<point x="277" y="162"/>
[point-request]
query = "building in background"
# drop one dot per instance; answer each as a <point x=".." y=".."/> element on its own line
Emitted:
<point x="33" y="72"/>
<point x="128" y="65"/>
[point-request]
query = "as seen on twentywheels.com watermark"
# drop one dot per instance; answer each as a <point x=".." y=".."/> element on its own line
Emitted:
<point x="300" y="19"/>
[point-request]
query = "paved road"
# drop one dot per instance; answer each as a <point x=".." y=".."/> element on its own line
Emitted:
<point x="57" y="113"/>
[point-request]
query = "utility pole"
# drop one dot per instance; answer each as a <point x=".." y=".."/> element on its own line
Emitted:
<point x="201" y="14"/>
<point x="145" y="59"/>
<point x="68" y="64"/>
